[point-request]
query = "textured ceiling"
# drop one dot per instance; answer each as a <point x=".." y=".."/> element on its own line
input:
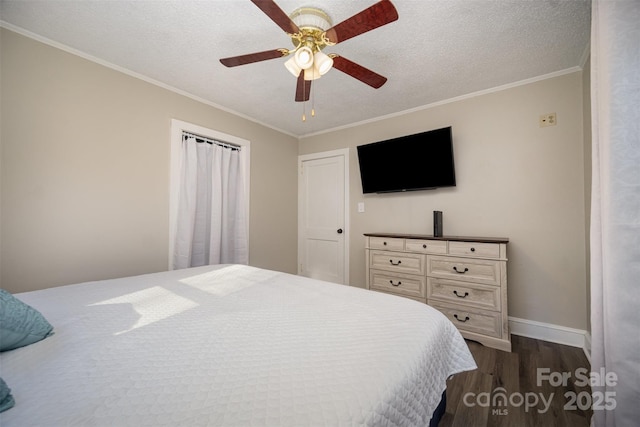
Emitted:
<point x="436" y="50"/>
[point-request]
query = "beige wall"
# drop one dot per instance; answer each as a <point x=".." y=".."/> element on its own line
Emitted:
<point x="514" y="179"/>
<point x="85" y="171"/>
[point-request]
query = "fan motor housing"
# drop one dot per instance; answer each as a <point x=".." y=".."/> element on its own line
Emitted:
<point x="311" y="17"/>
<point x="312" y="23"/>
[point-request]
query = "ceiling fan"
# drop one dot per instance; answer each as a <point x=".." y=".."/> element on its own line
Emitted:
<point x="311" y="30"/>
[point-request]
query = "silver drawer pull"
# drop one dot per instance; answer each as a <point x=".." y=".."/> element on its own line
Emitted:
<point x="466" y="294"/>
<point x="458" y="271"/>
<point x="393" y="284"/>
<point x="398" y="263"/>
<point x="460" y="320"/>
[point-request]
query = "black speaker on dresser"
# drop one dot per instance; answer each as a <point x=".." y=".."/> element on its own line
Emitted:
<point x="437" y="223"/>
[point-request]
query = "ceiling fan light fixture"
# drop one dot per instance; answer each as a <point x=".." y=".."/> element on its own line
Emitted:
<point x="304" y="57"/>
<point x="292" y="66"/>
<point x="322" y="62"/>
<point x="310" y="31"/>
<point x="311" y="73"/>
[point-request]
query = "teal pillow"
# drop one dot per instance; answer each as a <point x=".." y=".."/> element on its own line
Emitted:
<point x="20" y="324"/>
<point x="6" y="400"/>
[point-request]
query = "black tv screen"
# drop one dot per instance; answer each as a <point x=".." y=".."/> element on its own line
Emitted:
<point x="414" y="162"/>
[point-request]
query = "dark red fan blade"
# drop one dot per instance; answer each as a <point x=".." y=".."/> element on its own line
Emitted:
<point x="359" y="72"/>
<point x="234" y="61"/>
<point x="273" y="11"/>
<point x="369" y="19"/>
<point x="303" y="88"/>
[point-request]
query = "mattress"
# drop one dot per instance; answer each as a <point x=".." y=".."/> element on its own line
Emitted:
<point x="231" y="345"/>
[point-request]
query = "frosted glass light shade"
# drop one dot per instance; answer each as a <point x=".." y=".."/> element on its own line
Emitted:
<point x="322" y="63"/>
<point x="304" y="57"/>
<point x="311" y="73"/>
<point x="293" y="67"/>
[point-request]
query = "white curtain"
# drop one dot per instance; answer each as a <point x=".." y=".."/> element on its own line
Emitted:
<point x="211" y="220"/>
<point x="615" y="210"/>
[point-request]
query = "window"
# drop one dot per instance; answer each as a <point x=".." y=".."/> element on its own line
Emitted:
<point x="209" y="197"/>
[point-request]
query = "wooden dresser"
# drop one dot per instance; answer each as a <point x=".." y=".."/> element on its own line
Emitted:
<point x="463" y="277"/>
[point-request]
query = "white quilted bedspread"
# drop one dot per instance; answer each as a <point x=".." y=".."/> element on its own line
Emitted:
<point x="230" y="345"/>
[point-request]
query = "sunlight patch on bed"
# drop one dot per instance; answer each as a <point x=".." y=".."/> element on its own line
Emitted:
<point x="152" y="305"/>
<point x="224" y="281"/>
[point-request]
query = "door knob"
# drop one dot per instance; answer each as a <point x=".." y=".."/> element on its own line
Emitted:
<point x="339" y="230"/>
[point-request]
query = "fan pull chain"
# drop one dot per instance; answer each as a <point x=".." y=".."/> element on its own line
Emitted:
<point x="304" y="102"/>
<point x="304" y="116"/>
<point x="313" y="98"/>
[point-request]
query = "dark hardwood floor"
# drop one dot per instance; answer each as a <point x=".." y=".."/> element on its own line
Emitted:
<point x="508" y="390"/>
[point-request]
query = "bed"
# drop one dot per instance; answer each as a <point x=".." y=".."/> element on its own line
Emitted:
<point x="230" y="345"/>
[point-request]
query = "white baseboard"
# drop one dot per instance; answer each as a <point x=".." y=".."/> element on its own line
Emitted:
<point x="552" y="333"/>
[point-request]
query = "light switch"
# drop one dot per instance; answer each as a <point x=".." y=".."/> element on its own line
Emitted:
<point x="360" y="207"/>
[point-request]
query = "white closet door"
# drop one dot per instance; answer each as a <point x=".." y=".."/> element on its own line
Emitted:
<point x="323" y="220"/>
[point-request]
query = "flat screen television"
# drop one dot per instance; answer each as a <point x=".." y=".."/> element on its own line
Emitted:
<point x="414" y="162"/>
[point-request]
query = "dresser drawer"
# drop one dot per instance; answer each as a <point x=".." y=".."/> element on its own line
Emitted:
<point x="398" y="283"/>
<point x="465" y="269"/>
<point x="421" y="299"/>
<point x="426" y="246"/>
<point x="397" y="262"/>
<point x="463" y="293"/>
<point x="386" y="243"/>
<point x="471" y="319"/>
<point x="475" y="249"/>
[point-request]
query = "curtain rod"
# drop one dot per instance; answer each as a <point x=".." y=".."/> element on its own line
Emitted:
<point x="200" y="138"/>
